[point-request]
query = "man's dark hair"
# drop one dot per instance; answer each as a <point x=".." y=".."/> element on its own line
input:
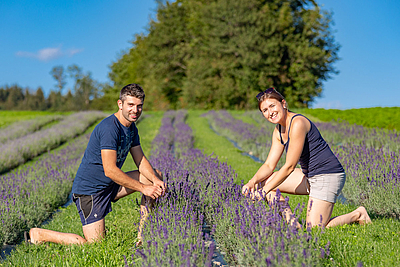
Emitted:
<point x="132" y="89"/>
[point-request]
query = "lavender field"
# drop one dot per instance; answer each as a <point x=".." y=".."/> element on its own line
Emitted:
<point x="370" y="156"/>
<point x="204" y="203"/>
<point x="204" y="220"/>
<point x="29" y="194"/>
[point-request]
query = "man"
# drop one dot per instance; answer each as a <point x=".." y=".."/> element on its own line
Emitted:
<point x="100" y="180"/>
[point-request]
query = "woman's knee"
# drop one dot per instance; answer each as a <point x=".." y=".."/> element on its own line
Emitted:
<point x="319" y="212"/>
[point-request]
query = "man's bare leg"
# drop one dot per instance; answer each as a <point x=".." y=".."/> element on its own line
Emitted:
<point x="146" y="206"/>
<point x="39" y="236"/>
<point x="146" y="203"/>
<point x="93" y="232"/>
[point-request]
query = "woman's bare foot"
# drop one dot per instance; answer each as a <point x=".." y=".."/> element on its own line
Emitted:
<point x="34" y="235"/>
<point x="364" y="217"/>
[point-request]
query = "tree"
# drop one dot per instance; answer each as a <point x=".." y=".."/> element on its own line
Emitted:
<point x="3" y="97"/>
<point x="85" y="88"/>
<point x="28" y="103"/>
<point x="69" y="102"/>
<point x="221" y="53"/>
<point x="58" y="74"/>
<point x="15" y="98"/>
<point x="54" y="101"/>
<point x="39" y="100"/>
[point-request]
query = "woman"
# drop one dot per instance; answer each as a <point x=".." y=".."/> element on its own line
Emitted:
<point x="321" y="175"/>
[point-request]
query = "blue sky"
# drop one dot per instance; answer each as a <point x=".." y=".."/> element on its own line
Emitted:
<point x="37" y="35"/>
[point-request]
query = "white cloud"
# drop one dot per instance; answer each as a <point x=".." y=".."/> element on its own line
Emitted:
<point x="49" y="53"/>
<point x="72" y="52"/>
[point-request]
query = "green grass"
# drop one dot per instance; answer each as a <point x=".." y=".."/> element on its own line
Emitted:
<point x="376" y="244"/>
<point x="7" y="116"/>
<point x="120" y="239"/>
<point x="207" y="140"/>
<point x="387" y="118"/>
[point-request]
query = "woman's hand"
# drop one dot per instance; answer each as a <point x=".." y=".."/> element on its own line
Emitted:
<point x="248" y="188"/>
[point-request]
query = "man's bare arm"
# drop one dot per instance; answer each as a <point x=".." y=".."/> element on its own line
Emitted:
<point x="109" y="158"/>
<point x="145" y="167"/>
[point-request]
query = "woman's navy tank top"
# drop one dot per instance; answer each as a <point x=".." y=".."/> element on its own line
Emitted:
<point x="316" y="157"/>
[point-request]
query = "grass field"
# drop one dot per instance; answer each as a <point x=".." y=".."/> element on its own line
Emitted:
<point x="371" y="245"/>
<point x="387" y="118"/>
<point x="8" y="117"/>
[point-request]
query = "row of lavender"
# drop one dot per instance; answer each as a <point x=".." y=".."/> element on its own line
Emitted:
<point x="31" y="193"/>
<point x="18" y="129"/>
<point x="202" y="194"/>
<point x="250" y="138"/>
<point x="17" y="151"/>
<point x="370" y="157"/>
<point x="25" y="200"/>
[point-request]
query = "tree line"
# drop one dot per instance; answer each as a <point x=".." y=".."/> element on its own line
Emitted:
<point x="85" y="94"/>
<point x="208" y="54"/>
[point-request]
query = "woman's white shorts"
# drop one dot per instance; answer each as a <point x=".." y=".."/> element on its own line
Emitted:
<point x="327" y="186"/>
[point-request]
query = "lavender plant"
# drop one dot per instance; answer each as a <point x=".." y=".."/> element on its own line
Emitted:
<point x="28" y="195"/>
<point x="18" y="129"/>
<point x="253" y="140"/>
<point x="173" y="234"/>
<point x="373" y="178"/>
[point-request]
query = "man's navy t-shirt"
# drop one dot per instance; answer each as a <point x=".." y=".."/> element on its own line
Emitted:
<point x="108" y="134"/>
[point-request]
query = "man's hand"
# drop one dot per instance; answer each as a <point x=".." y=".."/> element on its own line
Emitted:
<point x="152" y="191"/>
<point x="160" y="184"/>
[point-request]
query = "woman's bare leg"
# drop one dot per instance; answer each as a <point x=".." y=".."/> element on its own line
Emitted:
<point x="319" y="213"/>
<point x="359" y="215"/>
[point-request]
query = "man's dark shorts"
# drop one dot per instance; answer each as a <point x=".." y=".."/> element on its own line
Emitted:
<point x="93" y="208"/>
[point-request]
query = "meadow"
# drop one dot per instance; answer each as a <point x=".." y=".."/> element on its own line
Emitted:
<point x="205" y="157"/>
